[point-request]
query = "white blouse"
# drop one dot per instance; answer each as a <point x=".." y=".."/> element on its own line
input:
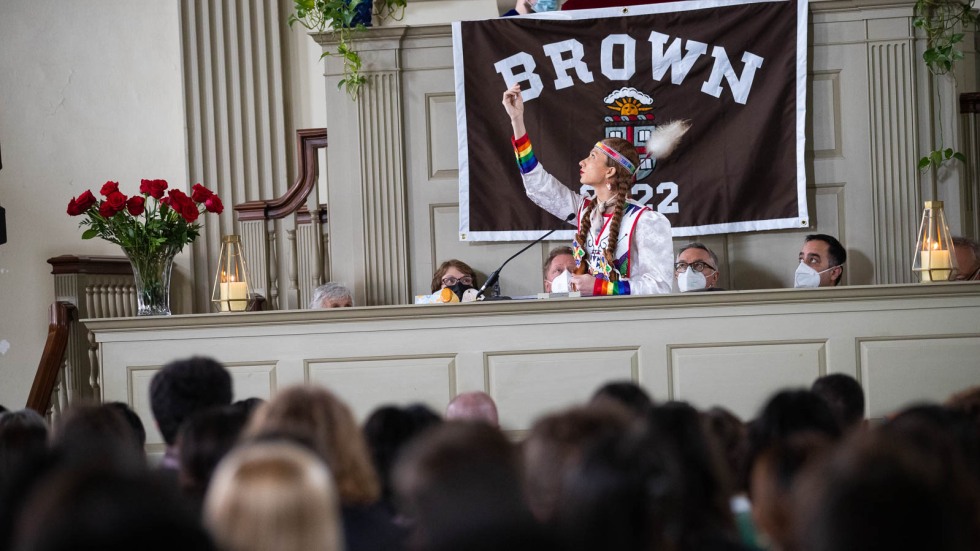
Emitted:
<point x="652" y="249"/>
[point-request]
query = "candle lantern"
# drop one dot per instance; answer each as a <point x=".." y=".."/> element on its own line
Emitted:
<point x="934" y="259"/>
<point x="231" y="292"/>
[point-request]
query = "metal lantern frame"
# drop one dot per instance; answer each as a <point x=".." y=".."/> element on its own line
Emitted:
<point x="232" y="291"/>
<point x="935" y="259"/>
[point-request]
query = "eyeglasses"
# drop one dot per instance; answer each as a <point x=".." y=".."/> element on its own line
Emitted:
<point x="449" y="281"/>
<point x="697" y="265"/>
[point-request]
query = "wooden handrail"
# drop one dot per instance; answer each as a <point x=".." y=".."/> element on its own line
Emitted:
<point x="62" y="314"/>
<point x="308" y="141"/>
<point x="970" y="102"/>
<point x="81" y="264"/>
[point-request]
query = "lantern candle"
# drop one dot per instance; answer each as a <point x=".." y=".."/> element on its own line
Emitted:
<point x="935" y="262"/>
<point x="234" y="296"/>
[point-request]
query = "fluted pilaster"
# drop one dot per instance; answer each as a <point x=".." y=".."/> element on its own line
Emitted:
<point x="236" y="129"/>
<point x="367" y="199"/>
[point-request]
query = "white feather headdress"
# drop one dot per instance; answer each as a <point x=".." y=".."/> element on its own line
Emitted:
<point x="665" y="138"/>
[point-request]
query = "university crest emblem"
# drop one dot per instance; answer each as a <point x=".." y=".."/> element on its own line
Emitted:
<point x="633" y="122"/>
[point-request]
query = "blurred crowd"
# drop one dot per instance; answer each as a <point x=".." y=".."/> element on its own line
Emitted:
<point x="619" y="472"/>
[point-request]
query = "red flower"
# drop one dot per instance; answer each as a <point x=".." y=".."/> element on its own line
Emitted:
<point x="200" y="193"/>
<point x="135" y="205"/>
<point x="213" y="204"/>
<point x="106" y="210"/>
<point x="177" y="198"/>
<point x="189" y="211"/>
<point x="81" y="204"/>
<point x="153" y="188"/>
<point x="109" y="188"/>
<point x="117" y="200"/>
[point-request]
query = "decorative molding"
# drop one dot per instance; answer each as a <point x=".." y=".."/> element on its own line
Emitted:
<point x="832" y="113"/>
<point x="438" y="166"/>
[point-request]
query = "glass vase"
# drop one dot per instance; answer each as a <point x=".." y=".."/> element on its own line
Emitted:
<point x="152" y="274"/>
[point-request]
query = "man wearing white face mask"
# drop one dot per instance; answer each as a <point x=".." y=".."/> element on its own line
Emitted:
<point x="696" y="269"/>
<point x="821" y="262"/>
<point x="560" y="260"/>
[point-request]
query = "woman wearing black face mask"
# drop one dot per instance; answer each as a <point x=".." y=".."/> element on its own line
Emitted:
<point x="456" y="275"/>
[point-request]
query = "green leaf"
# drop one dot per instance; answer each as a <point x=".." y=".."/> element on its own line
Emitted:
<point x="959" y="157"/>
<point x="936" y="158"/>
<point x="948" y="152"/>
<point x="90" y="233"/>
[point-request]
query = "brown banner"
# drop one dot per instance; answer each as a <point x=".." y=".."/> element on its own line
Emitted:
<point x="736" y="71"/>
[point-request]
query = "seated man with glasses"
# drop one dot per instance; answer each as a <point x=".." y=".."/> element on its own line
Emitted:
<point x="456" y="275"/>
<point x="696" y="269"/>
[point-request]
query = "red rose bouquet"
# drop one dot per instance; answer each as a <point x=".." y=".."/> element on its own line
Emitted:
<point x="151" y="228"/>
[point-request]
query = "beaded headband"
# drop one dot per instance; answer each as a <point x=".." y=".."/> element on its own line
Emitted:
<point x="614" y="155"/>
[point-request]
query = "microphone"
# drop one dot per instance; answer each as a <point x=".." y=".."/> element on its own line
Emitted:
<point x="492" y="279"/>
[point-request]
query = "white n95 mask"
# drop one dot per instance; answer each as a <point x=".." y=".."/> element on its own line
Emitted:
<point x="561" y="282"/>
<point x="806" y="277"/>
<point x="691" y="281"/>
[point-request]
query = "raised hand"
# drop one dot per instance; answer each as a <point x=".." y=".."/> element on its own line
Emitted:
<point x="514" y="105"/>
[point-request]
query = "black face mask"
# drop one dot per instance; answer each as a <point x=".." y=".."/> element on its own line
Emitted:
<point x="459" y="288"/>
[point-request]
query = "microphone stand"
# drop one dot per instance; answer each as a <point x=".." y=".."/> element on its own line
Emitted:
<point x="495" y="276"/>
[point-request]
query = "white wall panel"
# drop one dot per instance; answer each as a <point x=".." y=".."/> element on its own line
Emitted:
<point x="743" y="376"/>
<point x="526" y="383"/>
<point x="366" y="383"/>
<point x="898" y="372"/>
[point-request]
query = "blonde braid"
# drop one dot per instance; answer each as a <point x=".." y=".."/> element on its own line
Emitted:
<point x="585" y="222"/>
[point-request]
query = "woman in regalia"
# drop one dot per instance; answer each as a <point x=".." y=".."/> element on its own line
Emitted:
<point x="621" y="247"/>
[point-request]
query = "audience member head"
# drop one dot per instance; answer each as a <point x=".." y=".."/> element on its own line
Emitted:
<point x="98" y="436"/>
<point x="968" y="402"/>
<point x="133" y="420"/>
<point x="473" y="406"/>
<point x="731" y="437"/>
<point x="24" y="461"/>
<point x="204" y="439"/>
<point x="945" y="433"/>
<point x="554" y="447"/>
<point x="184" y="387"/>
<point x="313" y="416"/>
<point x="703" y="489"/>
<point x="625" y="394"/>
<point x="822" y="261"/>
<point x="273" y="495"/>
<point x="560" y="259"/>
<point x="696" y="268"/>
<point x="967" y="253"/>
<point x="387" y="430"/>
<point x="456" y="275"/>
<point x="110" y="511"/>
<point x="23" y="439"/>
<point x="844" y="396"/>
<point x="331" y="295"/>
<point x="458" y="479"/>
<point x="773" y="475"/>
<point x="786" y="413"/>
<point x="879" y="493"/>
<point x="422" y="415"/>
<point x="658" y="486"/>
<point x="248" y="406"/>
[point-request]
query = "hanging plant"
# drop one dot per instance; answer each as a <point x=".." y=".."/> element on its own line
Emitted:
<point x="345" y="18"/>
<point x="944" y="23"/>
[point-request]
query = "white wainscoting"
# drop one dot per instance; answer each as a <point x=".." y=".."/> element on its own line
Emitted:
<point x="905" y="343"/>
